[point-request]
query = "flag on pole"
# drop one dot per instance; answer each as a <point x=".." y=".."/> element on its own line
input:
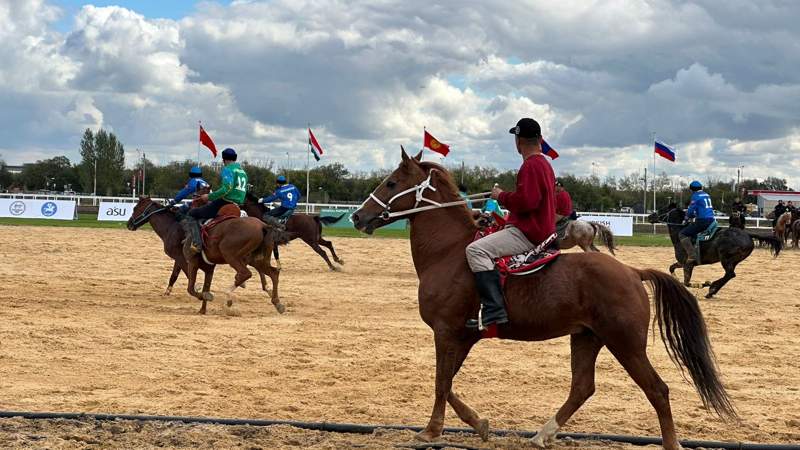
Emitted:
<point x="205" y="139"/>
<point x="316" y="150"/>
<point x="434" y="144"/>
<point x="664" y="151"/>
<point x="549" y="151"/>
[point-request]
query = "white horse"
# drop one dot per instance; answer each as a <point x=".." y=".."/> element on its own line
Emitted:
<point x="582" y="234"/>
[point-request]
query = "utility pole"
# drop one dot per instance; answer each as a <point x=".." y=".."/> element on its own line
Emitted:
<point x="644" y="199"/>
<point x="144" y="173"/>
<point x="94" y="191"/>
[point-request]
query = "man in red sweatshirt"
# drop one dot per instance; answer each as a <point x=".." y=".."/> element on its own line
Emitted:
<point x="532" y="220"/>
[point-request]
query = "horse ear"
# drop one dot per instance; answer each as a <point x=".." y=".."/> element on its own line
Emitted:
<point x="419" y="156"/>
<point x="403" y="154"/>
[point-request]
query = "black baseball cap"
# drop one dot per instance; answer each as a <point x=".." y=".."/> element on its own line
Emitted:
<point x="527" y="128"/>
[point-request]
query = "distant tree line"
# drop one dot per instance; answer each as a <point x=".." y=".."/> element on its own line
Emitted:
<point x="335" y="183"/>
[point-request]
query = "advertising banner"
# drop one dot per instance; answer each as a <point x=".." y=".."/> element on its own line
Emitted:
<point x="37" y="209"/>
<point x="619" y="225"/>
<point x="115" y="211"/>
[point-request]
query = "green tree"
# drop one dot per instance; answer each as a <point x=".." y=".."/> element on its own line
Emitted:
<point x="54" y="174"/>
<point x="86" y="166"/>
<point x="103" y="158"/>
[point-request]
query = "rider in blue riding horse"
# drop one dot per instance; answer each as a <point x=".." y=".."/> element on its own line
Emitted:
<point x="288" y="195"/>
<point x="702" y="211"/>
<point x="195" y="183"/>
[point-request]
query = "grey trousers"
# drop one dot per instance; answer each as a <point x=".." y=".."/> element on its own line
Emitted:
<point x="508" y="241"/>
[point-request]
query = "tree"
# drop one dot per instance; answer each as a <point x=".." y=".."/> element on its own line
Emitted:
<point x="103" y="159"/>
<point x="53" y="174"/>
<point x="6" y="177"/>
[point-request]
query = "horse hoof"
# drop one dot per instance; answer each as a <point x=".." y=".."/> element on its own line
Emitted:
<point x="483" y="429"/>
<point x="229" y="303"/>
<point x="233" y="312"/>
<point x="335" y="269"/>
<point x="428" y="436"/>
<point x="280" y="307"/>
<point x="208" y="296"/>
<point x="243" y="285"/>
<point x="340" y="261"/>
<point x="707" y="284"/>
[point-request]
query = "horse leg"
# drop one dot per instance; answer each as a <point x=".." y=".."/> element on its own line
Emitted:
<point x="584" y="348"/>
<point x="674" y="266"/>
<point x="191" y="274"/>
<point x="447" y="350"/>
<point x="209" y="275"/>
<point x="464" y="412"/>
<point x="176" y="270"/>
<point x="687" y="274"/>
<point x="594" y="249"/>
<point x="635" y="362"/>
<point x="277" y="256"/>
<point x="321" y="253"/>
<point x="729" y="275"/>
<point x="329" y="246"/>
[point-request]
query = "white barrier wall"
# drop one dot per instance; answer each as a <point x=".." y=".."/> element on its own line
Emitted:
<point x="37" y="209"/>
<point x="619" y="225"/>
<point x="115" y="211"/>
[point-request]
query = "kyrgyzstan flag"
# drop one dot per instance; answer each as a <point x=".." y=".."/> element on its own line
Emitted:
<point x="434" y="144"/>
<point x="205" y="139"/>
<point x="316" y="150"/>
<point x="549" y="151"/>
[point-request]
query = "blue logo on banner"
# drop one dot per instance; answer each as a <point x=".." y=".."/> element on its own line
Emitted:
<point x="49" y="209"/>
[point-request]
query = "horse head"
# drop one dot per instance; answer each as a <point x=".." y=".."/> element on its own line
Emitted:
<point x="144" y="208"/>
<point x="252" y="206"/>
<point x="401" y="191"/>
<point x="671" y="214"/>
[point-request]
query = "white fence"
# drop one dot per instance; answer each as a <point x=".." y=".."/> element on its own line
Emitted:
<point x="314" y="208"/>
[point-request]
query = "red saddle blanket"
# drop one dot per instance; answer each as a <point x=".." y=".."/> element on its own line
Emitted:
<point x="524" y="263"/>
<point x="227" y="212"/>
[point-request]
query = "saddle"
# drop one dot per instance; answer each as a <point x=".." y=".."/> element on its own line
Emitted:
<point x="525" y="263"/>
<point x="704" y="236"/>
<point x="227" y="212"/>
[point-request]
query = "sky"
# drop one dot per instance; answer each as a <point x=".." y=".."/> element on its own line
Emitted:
<point x="718" y="81"/>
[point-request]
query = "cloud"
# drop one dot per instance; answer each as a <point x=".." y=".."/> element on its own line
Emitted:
<point x="717" y="80"/>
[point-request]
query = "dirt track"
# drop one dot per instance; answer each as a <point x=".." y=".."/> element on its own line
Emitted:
<point x="84" y="327"/>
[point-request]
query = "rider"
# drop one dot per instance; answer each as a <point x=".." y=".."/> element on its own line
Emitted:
<point x="195" y="183"/>
<point x="532" y="220"/>
<point x="790" y="207"/>
<point x="702" y="211"/>
<point x="462" y="192"/>
<point x="233" y="189"/>
<point x="780" y="208"/>
<point x="288" y="194"/>
<point x="738" y="208"/>
<point x="564" y="211"/>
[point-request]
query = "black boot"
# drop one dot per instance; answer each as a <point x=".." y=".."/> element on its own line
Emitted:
<point x="192" y="243"/>
<point x="493" y="308"/>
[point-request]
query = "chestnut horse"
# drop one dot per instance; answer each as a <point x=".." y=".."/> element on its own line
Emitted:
<point x="783" y="226"/>
<point x="166" y="225"/>
<point x="592" y="297"/>
<point x="303" y="226"/>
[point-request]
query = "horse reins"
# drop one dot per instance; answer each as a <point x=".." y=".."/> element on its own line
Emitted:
<point x="419" y="191"/>
<point x="144" y="216"/>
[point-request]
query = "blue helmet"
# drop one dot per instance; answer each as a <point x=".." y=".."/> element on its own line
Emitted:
<point x="195" y="172"/>
<point x="281" y="179"/>
<point x="696" y="185"/>
<point x="229" y="154"/>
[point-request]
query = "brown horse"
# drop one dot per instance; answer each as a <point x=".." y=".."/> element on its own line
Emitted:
<point x="783" y="226"/>
<point x="306" y="227"/>
<point x="583" y="233"/>
<point x="592" y="297"/>
<point x="166" y="225"/>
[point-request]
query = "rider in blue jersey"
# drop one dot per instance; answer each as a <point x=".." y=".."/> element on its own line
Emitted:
<point x="701" y="210"/>
<point x="195" y="183"/>
<point x="288" y="195"/>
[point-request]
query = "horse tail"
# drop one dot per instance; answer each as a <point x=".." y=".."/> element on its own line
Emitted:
<point x="329" y="219"/>
<point x="605" y="235"/>
<point x="274" y="236"/>
<point x="685" y="337"/>
<point x="775" y="243"/>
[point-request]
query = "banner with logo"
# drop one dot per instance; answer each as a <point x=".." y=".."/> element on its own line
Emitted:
<point x="37" y="209"/>
<point x="115" y="211"/>
<point x="619" y="225"/>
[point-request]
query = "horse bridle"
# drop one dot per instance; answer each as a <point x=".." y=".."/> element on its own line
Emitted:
<point x="419" y="191"/>
<point x="663" y="218"/>
<point x="142" y="218"/>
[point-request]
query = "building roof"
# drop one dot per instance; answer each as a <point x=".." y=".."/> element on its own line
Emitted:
<point x="767" y="191"/>
<point x="795" y="196"/>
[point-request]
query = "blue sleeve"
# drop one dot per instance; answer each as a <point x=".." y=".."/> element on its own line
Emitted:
<point x="188" y="189"/>
<point x="269" y="198"/>
<point x="692" y="211"/>
<point x="227" y="176"/>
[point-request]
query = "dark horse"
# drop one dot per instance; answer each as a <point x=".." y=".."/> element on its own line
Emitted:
<point x="729" y="247"/>
<point x="166" y="225"/>
<point x="306" y="227"/>
<point x="592" y="297"/>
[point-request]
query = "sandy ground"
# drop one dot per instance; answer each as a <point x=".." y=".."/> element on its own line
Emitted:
<point x="84" y="327"/>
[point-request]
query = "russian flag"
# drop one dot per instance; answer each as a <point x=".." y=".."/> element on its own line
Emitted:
<point x="549" y="151"/>
<point x="664" y="151"/>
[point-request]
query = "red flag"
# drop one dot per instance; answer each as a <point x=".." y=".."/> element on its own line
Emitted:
<point x="316" y="150"/>
<point x="434" y="144"/>
<point x="205" y="139"/>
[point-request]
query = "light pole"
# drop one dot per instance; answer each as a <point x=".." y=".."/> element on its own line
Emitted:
<point x="94" y="191"/>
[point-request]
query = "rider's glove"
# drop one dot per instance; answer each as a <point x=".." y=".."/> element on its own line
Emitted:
<point x="171" y="202"/>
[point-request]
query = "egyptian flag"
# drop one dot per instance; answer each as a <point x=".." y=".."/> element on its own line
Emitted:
<point x="664" y="151"/>
<point x="316" y="150"/>
<point x="549" y="151"/>
<point x="205" y="139"/>
<point x="434" y="144"/>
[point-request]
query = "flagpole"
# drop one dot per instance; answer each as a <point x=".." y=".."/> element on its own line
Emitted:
<point x="422" y="150"/>
<point x="308" y="167"/>
<point x="654" y="170"/>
